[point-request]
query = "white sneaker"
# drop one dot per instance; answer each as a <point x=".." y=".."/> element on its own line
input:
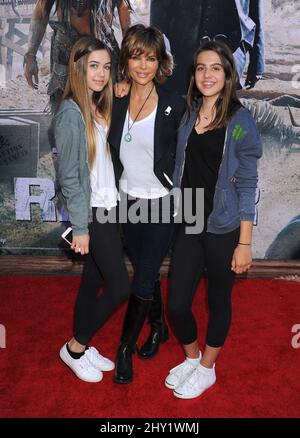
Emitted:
<point x="199" y="381"/>
<point x="178" y="374"/>
<point x="98" y="361"/>
<point x="82" y="367"/>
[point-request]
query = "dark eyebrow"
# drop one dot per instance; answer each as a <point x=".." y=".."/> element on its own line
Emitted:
<point x="215" y="63"/>
<point x="96" y="62"/>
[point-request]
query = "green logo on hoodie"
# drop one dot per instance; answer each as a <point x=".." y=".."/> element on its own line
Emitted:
<point x="238" y="132"/>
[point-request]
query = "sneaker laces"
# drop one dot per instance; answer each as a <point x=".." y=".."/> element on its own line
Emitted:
<point x="193" y="378"/>
<point x="96" y="354"/>
<point x="196" y="378"/>
<point x="84" y="363"/>
<point x="183" y="368"/>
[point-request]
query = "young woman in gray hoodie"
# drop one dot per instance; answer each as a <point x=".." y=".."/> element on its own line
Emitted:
<point x="87" y="186"/>
<point x="218" y="148"/>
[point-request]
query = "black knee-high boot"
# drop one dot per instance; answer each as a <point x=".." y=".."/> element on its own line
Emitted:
<point x="136" y="313"/>
<point x="159" y="329"/>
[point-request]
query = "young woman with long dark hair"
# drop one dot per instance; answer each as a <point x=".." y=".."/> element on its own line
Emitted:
<point x="87" y="184"/>
<point x="218" y="148"/>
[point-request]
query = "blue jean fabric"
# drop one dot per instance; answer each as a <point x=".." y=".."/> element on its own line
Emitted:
<point x="146" y="245"/>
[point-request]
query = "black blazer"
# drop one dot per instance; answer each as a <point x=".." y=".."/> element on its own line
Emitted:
<point x="165" y="135"/>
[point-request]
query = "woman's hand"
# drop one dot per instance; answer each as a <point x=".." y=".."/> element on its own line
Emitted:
<point x="241" y="259"/>
<point x="121" y="89"/>
<point x="81" y="244"/>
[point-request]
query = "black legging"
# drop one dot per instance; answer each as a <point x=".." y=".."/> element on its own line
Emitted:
<point x="191" y="255"/>
<point x="105" y="262"/>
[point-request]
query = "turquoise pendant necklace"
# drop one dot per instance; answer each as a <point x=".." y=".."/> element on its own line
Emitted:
<point x="128" y="136"/>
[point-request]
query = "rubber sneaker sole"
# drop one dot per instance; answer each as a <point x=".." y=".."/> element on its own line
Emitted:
<point x="189" y="397"/>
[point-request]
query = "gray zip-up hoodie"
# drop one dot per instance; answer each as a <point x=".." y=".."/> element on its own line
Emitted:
<point x="73" y="174"/>
<point x="234" y="198"/>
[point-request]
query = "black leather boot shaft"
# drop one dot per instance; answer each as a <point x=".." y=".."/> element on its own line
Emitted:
<point x="159" y="329"/>
<point x="136" y="313"/>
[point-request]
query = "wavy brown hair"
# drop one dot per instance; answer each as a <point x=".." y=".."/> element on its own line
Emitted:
<point x="228" y="99"/>
<point x="140" y="39"/>
<point x="77" y="89"/>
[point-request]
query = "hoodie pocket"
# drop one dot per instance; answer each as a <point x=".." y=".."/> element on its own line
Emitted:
<point x="220" y="214"/>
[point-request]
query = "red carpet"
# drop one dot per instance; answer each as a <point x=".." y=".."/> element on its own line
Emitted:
<point x="257" y="373"/>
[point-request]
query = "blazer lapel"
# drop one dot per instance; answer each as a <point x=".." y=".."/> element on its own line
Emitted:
<point x="160" y="120"/>
<point x="119" y="116"/>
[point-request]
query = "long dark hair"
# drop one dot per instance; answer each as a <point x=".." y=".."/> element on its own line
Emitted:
<point x="228" y="99"/>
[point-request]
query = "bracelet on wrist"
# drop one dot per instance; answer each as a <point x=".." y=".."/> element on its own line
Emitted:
<point x="29" y="55"/>
<point x="246" y="244"/>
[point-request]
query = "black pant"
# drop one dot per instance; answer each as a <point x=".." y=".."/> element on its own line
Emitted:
<point x="105" y="262"/>
<point x="192" y="254"/>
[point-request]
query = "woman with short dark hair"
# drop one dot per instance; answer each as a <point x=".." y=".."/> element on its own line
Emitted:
<point x="143" y="138"/>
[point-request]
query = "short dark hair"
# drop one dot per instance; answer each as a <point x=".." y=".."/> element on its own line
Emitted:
<point x="141" y="39"/>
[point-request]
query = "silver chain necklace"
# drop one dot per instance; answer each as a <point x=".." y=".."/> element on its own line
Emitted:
<point x="128" y="136"/>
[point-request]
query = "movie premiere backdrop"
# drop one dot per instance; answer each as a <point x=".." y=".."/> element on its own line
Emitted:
<point x="267" y="32"/>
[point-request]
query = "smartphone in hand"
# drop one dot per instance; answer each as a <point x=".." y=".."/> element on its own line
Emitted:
<point x="67" y="235"/>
